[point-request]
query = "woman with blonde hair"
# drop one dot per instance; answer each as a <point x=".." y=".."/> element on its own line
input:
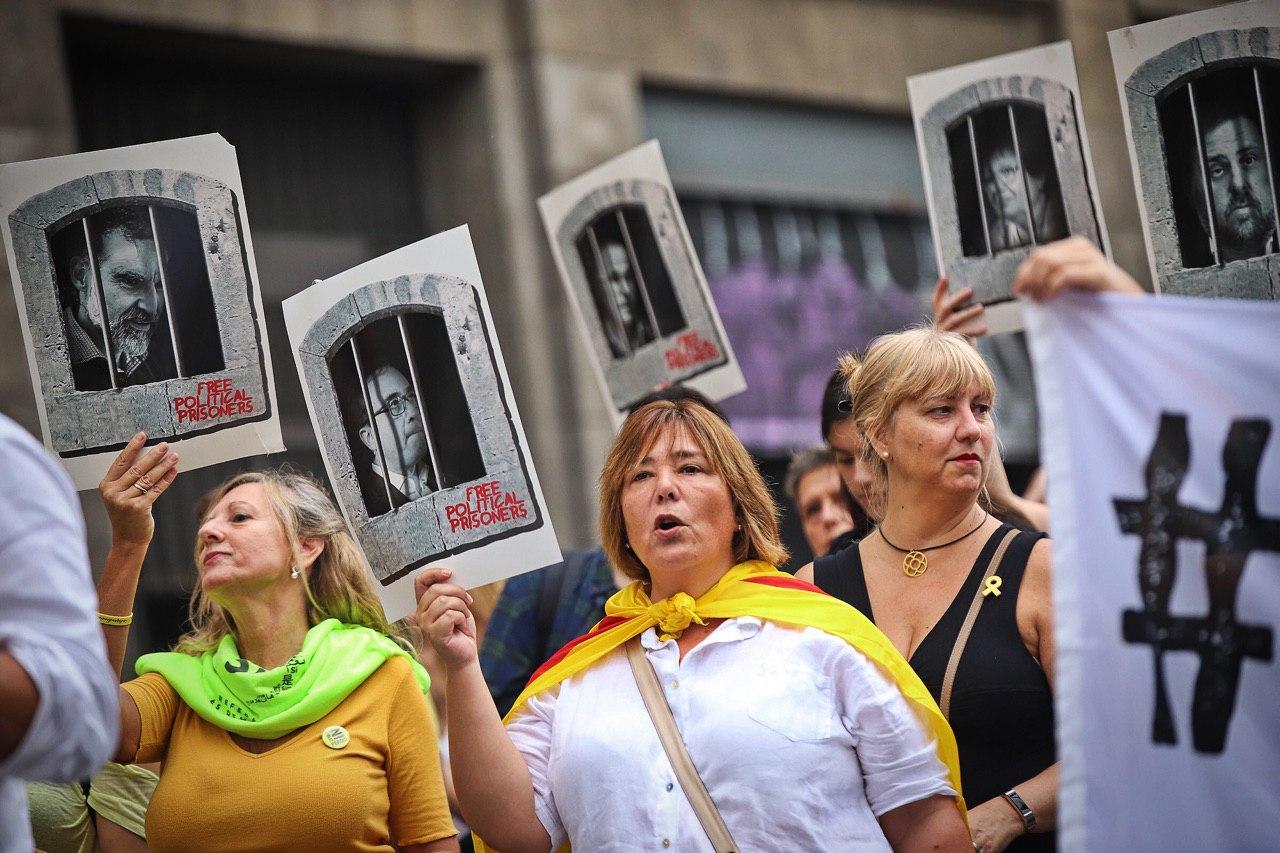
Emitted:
<point x="719" y="702"/>
<point x="289" y="717"/>
<point x="965" y="598"/>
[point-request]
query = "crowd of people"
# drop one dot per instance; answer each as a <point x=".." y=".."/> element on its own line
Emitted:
<point x="670" y="689"/>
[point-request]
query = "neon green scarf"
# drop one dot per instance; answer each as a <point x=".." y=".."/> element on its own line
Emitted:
<point x="243" y="698"/>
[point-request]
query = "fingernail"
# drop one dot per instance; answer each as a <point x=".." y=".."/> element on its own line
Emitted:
<point x="172" y="457"/>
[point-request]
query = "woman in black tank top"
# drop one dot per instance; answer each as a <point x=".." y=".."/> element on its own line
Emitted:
<point x="922" y="401"/>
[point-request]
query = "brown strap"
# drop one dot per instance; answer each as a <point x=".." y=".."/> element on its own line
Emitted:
<point x="656" y="703"/>
<point x="962" y="638"/>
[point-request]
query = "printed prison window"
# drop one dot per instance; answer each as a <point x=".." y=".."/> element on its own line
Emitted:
<point x="1002" y="164"/>
<point x="135" y="299"/>
<point x="1220" y="130"/>
<point x="629" y="282"/>
<point x="404" y="410"/>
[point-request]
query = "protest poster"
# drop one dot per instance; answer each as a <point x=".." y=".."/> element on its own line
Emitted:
<point x="1006" y="165"/>
<point x="1200" y="95"/>
<point x="409" y="395"/>
<point x="134" y="276"/>
<point x="625" y="257"/>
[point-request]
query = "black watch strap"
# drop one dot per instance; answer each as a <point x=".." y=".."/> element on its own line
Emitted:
<point x="1020" y="805"/>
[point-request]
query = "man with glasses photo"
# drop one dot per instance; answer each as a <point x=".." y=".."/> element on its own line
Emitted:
<point x="397" y="437"/>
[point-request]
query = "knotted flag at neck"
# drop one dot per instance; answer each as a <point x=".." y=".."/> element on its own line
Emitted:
<point x="753" y="588"/>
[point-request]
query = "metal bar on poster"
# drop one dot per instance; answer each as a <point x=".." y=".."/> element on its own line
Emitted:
<point x="373" y="425"/>
<point x="1204" y="175"/>
<point x="100" y="298"/>
<point x="436" y="481"/>
<point x="1022" y="171"/>
<point x="1266" y="151"/>
<point x="641" y="285"/>
<point x="607" y="288"/>
<point x="977" y="177"/>
<point x="164" y="292"/>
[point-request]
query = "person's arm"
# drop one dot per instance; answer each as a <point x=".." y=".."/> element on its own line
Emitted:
<point x="931" y="824"/>
<point x="1003" y="495"/>
<point x="58" y="713"/>
<point x="1070" y="264"/>
<point x="996" y="822"/>
<point x="493" y="782"/>
<point x="129" y="510"/>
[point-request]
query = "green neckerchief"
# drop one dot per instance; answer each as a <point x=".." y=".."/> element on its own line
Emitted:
<point x="243" y="698"/>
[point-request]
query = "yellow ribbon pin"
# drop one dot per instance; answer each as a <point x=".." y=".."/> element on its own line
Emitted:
<point x="992" y="587"/>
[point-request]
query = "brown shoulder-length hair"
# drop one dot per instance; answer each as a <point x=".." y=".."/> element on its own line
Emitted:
<point x="339" y="584"/>
<point x="753" y="506"/>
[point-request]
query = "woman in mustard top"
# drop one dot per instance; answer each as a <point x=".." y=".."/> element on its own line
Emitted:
<point x="288" y="717"/>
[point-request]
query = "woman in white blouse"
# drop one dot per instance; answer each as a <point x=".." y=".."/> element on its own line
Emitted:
<point x="805" y="727"/>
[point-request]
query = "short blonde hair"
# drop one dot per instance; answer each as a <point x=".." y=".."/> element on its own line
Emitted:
<point x="339" y="584"/>
<point x="908" y="365"/>
<point x="753" y="506"/>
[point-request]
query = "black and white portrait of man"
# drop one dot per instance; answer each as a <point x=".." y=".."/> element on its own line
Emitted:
<point x="1219" y="178"/>
<point x="625" y="322"/>
<point x="1240" y="192"/>
<point x="397" y="434"/>
<point x="1010" y="182"/>
<point x="116" y="273"/>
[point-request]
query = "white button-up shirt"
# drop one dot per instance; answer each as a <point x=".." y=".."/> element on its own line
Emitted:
<point x="800" y="740"/>
<point x="47" y="623"/>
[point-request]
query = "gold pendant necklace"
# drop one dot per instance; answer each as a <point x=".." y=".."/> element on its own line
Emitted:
<point x="915" y="563"/>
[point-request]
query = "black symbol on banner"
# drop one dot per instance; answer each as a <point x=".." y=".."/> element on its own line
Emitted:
<point x="1229" y="535"/>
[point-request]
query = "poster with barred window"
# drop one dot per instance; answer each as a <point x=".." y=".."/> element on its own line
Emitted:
<point x="1005" y="157"/>
<point x="1201" y="101"/>
<point x="409" y="395"/>
<point x="626" y="259"/>
<point x="1160" y="422"/>
<point x="136" y="286"/>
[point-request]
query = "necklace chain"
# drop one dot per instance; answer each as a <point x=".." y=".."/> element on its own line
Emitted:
<point x="915" y="563"/>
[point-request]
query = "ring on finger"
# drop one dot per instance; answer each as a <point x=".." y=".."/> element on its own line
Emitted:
<point x="142" y="488"/>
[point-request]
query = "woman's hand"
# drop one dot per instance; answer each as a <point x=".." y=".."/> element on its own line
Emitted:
<point x="950" y="314"/>
<point x="132" y="485"/>
<point x="1070" y="264"/>
<point x="994" y="825"/>
<point x="444" y="617"/>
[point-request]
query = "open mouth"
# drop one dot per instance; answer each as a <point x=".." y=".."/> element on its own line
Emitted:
<point x="667" y="522"/>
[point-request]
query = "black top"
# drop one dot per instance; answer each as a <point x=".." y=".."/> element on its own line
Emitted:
<point x="1001" y="704"/>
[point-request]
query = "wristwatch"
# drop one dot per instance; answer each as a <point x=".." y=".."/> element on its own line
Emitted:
<point x="1021" y="807"/>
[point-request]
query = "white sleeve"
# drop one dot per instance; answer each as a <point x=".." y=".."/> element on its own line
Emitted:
<point x="47" y="617"/>
<point x="531" y="731"/>
<point x="899" y="759"/>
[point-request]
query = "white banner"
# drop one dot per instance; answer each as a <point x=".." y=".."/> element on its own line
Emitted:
<point x="1158" y="422"/>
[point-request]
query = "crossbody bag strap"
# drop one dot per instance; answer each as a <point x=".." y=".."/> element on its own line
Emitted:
<point x="948" y="680"/>
<point x="655" y="701"/>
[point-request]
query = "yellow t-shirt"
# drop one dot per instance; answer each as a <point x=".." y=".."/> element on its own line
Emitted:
<point x="383" y="787"/>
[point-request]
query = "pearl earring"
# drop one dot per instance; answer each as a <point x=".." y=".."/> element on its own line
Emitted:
<point x="293" y="572"/>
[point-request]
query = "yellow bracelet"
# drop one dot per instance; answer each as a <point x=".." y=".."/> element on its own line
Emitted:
<point x="118" y="621"/>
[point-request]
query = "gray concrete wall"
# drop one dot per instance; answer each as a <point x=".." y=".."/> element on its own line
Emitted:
<point x="556" y="89"/>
